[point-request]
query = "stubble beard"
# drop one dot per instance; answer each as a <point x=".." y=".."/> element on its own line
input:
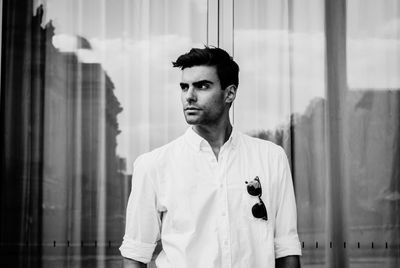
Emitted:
<point x="205" y="119"/>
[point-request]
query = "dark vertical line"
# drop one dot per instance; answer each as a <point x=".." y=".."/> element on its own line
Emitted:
<point x="36" y="123"/>
<point x="2" y="18"/>
<point x="41" y="140"/>
<point x="233" y="51"/>
<point x="335" y="38"/>
<point x="233" y="28"/>
<point x="218" y="24"/>
<point x="28" y="135"/>
<point x="3" y="113"/>
<point x="207" y="23"/>
<point x="395" y="170"/>
<point x="291" y="115"/>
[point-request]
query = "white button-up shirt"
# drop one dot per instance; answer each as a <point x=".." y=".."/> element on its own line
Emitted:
<point x="200" y="209"/>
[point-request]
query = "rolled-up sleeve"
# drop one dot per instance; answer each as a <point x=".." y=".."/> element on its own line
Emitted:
<point x="143" y="221"/>
<point x="286" y="241"/>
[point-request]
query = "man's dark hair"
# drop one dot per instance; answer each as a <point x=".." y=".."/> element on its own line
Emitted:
<point x="227" y="68"/>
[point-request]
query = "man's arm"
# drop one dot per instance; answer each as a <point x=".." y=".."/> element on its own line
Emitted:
<point x="288" y="262"/>
<point x="129" y="263"/>
<point x="143" y="222"/>
<point x="286" y="240"/>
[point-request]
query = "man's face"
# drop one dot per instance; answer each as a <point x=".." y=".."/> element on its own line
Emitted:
<point x="202" y="98"/>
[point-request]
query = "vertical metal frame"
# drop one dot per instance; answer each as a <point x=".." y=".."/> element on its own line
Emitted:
<point x="1" y="37"/>
<point x="220" y="26"/>
<point x="335" y="34"/>
<point x="226" y="23"/>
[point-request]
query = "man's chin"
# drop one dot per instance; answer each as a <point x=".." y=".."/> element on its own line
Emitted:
<point x="192" y="121"/>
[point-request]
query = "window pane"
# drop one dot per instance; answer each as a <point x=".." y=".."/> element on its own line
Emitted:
<point x="373" y="46"/>
<point x="280" y="46"/>
<point x="372" y="129"/>
<point x="321" y="79"/>
<point x="281" y="55"/>
<point x="88" y="86"/>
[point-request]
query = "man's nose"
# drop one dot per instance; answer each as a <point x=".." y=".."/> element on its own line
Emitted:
<point x="191" y="95"/>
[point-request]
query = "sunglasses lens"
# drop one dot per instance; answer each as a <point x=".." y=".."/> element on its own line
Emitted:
<point x="259" y="211"/>
<point x="254" y="188"/>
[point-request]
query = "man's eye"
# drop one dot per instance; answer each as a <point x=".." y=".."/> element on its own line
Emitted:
<point x="184" y="87"/>
<point x="205" y="86"/>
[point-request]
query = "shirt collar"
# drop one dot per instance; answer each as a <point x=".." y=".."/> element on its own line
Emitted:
<point x="199" y="143"/>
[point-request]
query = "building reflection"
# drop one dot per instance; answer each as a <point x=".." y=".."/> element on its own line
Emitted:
<point x="370" y="131"/>
<point x="63" y="187"/>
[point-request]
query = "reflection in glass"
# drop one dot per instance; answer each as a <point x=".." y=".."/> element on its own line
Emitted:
<point x="87" y="86"/>
<point x="321" y="82"/>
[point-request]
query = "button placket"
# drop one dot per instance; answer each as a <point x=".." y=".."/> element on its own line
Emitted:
<point x="225" y="238"/>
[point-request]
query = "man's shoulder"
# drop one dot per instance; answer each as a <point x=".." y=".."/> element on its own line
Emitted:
<point x="261" y="144"/>
<point x="266" y="151"/>
<point x="161" y="153"/>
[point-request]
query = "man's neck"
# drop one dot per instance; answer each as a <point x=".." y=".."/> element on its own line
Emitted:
<point x="215" y="135"/>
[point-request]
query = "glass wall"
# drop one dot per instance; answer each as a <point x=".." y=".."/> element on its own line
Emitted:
<point x="88" y="85"/>
<point x="321" y="79"/>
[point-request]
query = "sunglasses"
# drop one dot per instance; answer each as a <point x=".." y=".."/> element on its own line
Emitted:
<point x="254" y="188"/>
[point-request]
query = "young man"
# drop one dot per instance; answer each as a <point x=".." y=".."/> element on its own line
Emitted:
<point x="214" y="197"/>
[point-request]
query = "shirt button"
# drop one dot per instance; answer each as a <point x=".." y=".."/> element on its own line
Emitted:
<point x="223" y="214"/>
<point x="221" y="186"/>
<point x="226" y="242"/>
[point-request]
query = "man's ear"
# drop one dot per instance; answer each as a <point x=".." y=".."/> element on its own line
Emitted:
<point x="230" y="93"/>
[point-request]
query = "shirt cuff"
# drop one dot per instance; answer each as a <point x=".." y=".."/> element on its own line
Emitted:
<point x="137" y="251"/>
<point x="287" y="246"/>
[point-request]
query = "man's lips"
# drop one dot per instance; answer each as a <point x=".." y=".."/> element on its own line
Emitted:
<point x="192" y="109"/>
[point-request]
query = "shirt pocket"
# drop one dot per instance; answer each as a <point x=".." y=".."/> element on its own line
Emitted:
<point x="260" y="229"/>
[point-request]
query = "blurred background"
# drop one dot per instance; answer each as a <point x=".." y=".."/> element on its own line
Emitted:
<point x="88" y="85"/>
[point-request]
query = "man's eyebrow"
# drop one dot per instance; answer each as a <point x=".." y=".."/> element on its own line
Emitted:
<point x="202" y="82"/>
<point x="196" y="84"/>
